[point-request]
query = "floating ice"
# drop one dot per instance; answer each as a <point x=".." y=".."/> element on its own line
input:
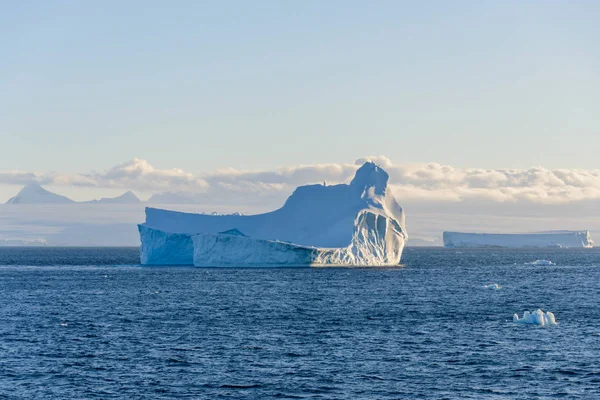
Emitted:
<point x="359" y="223"/>
<point x="540" y="262"/>
<point x="493" y="286"/>
<point x="538" y="317"/>
<point x="551" y="239"/>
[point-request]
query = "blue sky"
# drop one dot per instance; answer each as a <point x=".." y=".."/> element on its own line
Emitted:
<point x="254" y="85"/>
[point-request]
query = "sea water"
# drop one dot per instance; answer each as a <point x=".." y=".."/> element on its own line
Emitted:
<point x="92" y="323"/>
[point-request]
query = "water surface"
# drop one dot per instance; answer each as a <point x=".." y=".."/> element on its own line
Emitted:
<point x="91" y="323"/>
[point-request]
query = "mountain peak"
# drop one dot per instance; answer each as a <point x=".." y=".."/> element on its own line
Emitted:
<point x="129" y="195"/>
<point x="126" y="198"/>
<point x="34" y="193"/>
<point x="32" y="188"/>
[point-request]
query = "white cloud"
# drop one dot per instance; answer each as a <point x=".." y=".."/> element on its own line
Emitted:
<point x="410" y="182"/>
<point x="135" y="174"/>
<point x="433" y="181"/>
<point x="17" y="177"/>
<point x="139" y="174"/>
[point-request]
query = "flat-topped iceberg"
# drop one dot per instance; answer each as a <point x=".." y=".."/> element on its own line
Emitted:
<point x="348" y="224"/>
<point x="552" y="239"/>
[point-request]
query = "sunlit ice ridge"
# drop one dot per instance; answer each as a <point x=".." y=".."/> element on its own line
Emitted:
<point x="359" y="223"/>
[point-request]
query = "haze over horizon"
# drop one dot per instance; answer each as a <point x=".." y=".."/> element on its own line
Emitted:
<point x="435" y="198"/>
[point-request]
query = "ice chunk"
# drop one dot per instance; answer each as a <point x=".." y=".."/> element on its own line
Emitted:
<point x="538" y="317"/>
<point x="493" y="286"/>
<point x="540" y="262"/>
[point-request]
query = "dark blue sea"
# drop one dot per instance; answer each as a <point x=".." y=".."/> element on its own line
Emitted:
<point x="79" y="323"/>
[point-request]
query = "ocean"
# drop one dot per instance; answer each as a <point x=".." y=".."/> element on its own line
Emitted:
<point x="78" y="323"/>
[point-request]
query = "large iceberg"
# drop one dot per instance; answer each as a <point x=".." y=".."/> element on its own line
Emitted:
<point x="557" y="239"/>
<point x="348" y="224"/>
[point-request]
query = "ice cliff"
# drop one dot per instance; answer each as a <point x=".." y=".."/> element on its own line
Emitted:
<point x="519" y="240"/>
<point x="348" y="224"/>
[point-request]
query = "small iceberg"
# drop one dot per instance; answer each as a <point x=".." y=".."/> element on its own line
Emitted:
<point x="540" y="262"/>
<point x="493" y="286"/>
<point x="538" y="317"/>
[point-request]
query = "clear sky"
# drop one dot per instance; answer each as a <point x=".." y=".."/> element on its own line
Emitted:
<point x="256" y="84"/>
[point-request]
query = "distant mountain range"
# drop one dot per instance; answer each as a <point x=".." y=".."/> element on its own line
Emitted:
<point x="36" y="194"/>
<point x="126" y="198"/>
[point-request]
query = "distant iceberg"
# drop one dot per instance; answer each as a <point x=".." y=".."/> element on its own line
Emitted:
<point x="551" y="239"/>
<point x="538" y="317"/>
<point x="493" y="286"/>
<point x="540" y="262"/>
<point x="23" y="242"/>
<point x="348" y="224"/>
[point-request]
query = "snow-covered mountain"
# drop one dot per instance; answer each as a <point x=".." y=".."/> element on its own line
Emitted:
<point x="348" y="224"/>
<point x="171" y="198"/>
<point x="126" y="198"/>
<point x="35" y="194"/>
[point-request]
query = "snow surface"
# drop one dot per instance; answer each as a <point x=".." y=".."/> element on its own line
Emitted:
<point x="35" y="194"/>
<point x="348" y="224"/>
<point x="538" y="317"/>
<point x="519" y="240"/>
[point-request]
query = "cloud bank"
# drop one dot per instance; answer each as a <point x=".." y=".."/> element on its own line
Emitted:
<point x="135" y="174"/>
<point x="418" y="182"/>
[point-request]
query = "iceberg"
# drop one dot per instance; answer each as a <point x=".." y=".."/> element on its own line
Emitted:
<point x="550" y="239"/>
<point x="540" y="262"/>
<point x="493" y="286"/>
<point x="359" y="223"/>
<point x="538" y="317"/>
